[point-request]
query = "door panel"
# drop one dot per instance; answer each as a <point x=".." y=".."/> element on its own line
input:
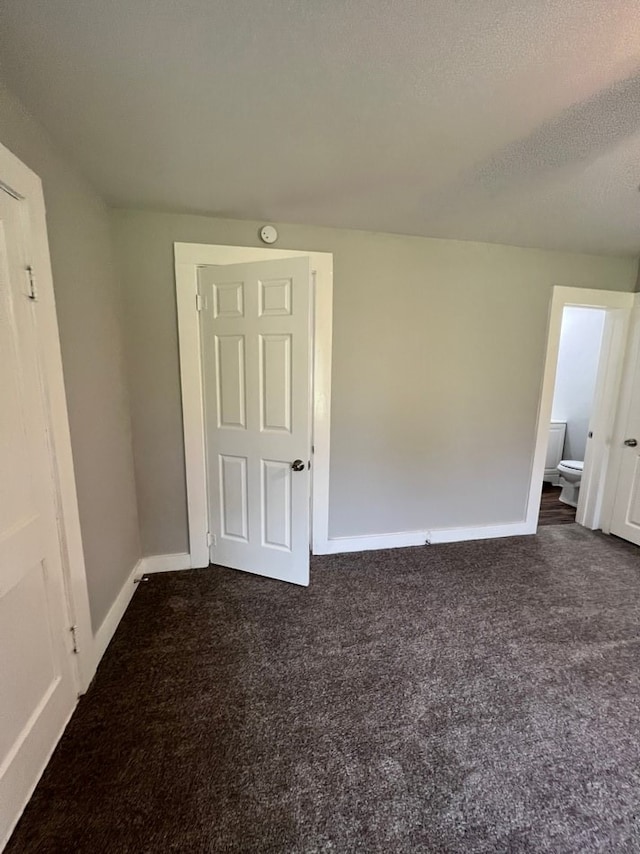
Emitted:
<point x="276" y="504"/>
<point x="275" y="383"/>
<point x="37" y="684"/>
<point x="625" y="521"/>
<point x="230" y="381"/>
<point x="255" y="345"/>
<point x="633" y="513"/>
<point x="228" y="299"/>
<point x="234" y="512"/>
<point x="26" y="647"/>
<point x="275" y="297"/>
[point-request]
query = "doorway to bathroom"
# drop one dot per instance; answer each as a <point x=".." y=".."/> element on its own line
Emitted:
<point x="578" y="403"/>
<point x="581" y="335"/>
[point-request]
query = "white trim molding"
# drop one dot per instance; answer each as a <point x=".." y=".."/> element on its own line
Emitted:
<point x="116" y="612"/>
<point x="188" y="258"/>
<point x="165" y="563"/>
<point x="339" y="545"/>
<point x="145" y="566"/>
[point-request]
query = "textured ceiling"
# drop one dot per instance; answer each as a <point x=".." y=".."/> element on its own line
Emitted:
<point x="512" y="121"/>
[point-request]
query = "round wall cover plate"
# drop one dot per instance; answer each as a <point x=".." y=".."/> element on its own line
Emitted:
<point x="268" y="234"/>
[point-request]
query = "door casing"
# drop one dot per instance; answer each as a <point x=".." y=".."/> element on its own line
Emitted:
<point x="188" y="258"/>
<point x="594" y="505"/>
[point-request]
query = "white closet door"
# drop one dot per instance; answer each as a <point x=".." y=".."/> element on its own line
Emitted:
<point x="37" y="684"/>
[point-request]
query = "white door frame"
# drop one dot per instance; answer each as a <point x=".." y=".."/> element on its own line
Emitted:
<point x="25" y="185"/>
<point x="188" y="258"/>
<point x="593" y="506"/>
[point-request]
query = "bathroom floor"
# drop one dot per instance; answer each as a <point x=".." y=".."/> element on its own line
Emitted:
<point x="552" y="510"/>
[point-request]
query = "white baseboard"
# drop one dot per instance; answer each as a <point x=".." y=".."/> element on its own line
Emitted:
<point x="165" y="563"/>
<point x="145" y="566"/>
<point x="110" y="623"/>
<point x="484" y="532"/>
<point x="338" y="545"/>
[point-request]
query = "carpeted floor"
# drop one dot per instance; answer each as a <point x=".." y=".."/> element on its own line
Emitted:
<point x="472" y="697"/>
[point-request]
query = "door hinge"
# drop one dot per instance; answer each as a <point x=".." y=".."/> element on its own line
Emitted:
<point x="211" y="540"/>
<point x="201" y="300"/>
<point x="31" y="282"/>
<point x="74" y="638"/>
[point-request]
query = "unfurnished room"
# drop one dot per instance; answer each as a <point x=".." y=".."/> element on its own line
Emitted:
<point x="319" y="425"/>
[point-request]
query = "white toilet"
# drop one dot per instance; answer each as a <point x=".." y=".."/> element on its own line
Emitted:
<point x="570" y="472"/>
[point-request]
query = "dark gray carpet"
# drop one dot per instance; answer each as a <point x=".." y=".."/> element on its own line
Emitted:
<point x="473" y="697"/>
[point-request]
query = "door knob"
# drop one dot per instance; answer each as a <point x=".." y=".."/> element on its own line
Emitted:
<point x="297" y="465"/>
<point x="631" y="443"/>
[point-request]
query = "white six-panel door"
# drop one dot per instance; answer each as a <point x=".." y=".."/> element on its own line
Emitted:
<point x="255" y="344"/>
<point x="37" y="684"/>
<point x="625" y="520"/>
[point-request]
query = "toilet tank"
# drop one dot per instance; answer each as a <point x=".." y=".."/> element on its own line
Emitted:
<point x="557" y="430"/>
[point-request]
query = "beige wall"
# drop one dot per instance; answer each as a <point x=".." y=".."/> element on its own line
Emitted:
<point x="437" y="364"/>
<point x="89" y="307"/>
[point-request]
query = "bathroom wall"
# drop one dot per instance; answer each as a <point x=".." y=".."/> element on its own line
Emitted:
<point x="580" y="343"/>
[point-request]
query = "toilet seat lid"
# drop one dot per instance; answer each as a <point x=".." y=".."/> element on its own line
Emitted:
<point x="575" y="465"/>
